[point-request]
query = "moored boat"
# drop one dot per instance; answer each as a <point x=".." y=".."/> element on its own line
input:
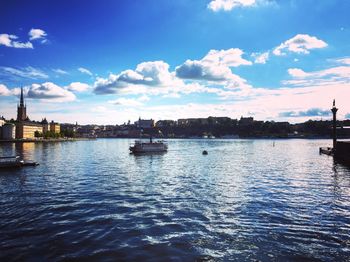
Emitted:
<point x="11" y="161"/>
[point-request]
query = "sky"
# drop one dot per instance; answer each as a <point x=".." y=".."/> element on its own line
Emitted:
<point x="107" y="62"/>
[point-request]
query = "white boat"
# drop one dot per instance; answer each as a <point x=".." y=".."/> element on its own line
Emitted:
<point x="11" y="161"/>
<point x="148" y="147"/>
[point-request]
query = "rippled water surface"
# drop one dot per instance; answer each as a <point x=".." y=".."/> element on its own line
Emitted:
<point x="246" y="200"/>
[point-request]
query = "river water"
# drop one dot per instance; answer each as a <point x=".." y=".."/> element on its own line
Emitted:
<point x="247" y="200"/>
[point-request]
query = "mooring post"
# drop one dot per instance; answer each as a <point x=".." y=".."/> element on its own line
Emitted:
<point x="334" y="111"/>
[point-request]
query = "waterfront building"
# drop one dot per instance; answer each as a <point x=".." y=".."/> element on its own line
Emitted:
<point x="26" y="129"/>
<point x="145" y="123"/>
<point x="46" y="125"/>
<point x="55" y="127"/>
<point x="192" y="121"/>
<point x="165" y="123"/>
<point x="8" y="131"/>
<point x="244" y="121"/>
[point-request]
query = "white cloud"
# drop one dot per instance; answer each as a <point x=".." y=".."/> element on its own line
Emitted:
<point x="128" y="102"/>
<point x="199" y="70"/>
<point x="345" y="60"/>
<point x="300" y="43"/>
<point x="333" y="73"/>
<point x="9" y="41"/>
<point x="261" y="58"/>
<point x="227" y="5"/>
<point x="215" y="66"/>
<point x="26" y="72"/>
<point x="231" y="57"/>
<point x="50" y="91"/>
<point x="154" y="78"/>
<point x="35" y="34"/>
<point x="151" y="76"/>
<point x="60" y="71"/>
<point x="85" y="71"/>
<point x="78" y="87"/>
<point x="4" y="91"/>
<point x="297" y="73"/>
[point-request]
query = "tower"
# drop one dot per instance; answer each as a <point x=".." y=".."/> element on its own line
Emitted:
<point x="334" y="111"/>
<point x="21" y="109"/>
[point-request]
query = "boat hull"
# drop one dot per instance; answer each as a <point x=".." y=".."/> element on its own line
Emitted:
<point x="10" y="165"/>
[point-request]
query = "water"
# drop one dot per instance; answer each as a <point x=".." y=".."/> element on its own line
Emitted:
<point x="245" y="201"/>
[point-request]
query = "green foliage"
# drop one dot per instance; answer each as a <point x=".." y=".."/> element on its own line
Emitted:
<point x="51" y="134"/>
<point x="67" y="133"/>
<point x="38" y="134"/>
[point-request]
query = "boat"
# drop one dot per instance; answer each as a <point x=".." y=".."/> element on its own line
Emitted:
<point x="11" y="161"/>
<point x="148" y="147"/>
<point x="15" y="161"/>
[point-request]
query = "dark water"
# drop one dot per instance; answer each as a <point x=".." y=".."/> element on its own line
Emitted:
<point x="245" y="201"/>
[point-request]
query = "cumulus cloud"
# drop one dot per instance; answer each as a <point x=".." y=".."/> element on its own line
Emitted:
<point x="231" y="57"/>
<point x="25" y="72"/>
<point x="154" y="77"/>
<point x="215" y="66"/>
<point x="297" y="73"/>
<point x="300" y="43"/>
<point x="261" y="58"/>
<point x="4" y="91"/>
<point x="85" y="71"/>
<point x="50" y="91"/>
<point x="36" y="34"/>
<point x="199" y="70"/>
<point x="10" y="41"/>
<point x="227" y="5"/>
<point x="78" y="87"/>
<point x="147" y="74"/>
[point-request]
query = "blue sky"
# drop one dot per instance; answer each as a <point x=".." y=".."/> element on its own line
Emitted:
<point x="108" y="62"/>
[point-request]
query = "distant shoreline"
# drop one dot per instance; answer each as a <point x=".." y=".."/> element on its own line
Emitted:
<point x="45" y="140"/>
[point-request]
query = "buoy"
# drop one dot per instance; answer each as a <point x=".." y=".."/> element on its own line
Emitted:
<point x="205" y="152"/>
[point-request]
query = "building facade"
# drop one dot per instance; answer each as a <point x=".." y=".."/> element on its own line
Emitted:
<point x="8" y="131"/>
<point x="27" y="130"/>
<point x="55" y="127"/>
<point x="145" y="123"/>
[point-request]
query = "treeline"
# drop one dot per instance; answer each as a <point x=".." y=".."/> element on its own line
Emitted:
<point x="250" y="129"/>
<point x="51" y="134"/>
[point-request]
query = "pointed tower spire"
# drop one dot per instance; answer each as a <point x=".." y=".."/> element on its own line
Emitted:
<point x="21" y="109"/>
<point x="22" y="100"/>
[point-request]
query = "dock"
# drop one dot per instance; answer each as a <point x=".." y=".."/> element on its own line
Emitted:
<point x="341" y="149"/>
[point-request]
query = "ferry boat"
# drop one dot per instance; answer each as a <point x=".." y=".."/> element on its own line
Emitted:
<point x="148" y="147"/>
<point x="11" y="161"/>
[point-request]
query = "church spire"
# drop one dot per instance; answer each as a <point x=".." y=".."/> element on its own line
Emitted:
<point x="22" y="100"/>
<point x="21" y="109"/>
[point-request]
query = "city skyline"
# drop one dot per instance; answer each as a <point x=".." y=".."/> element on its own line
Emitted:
<point x="113" y="62"/>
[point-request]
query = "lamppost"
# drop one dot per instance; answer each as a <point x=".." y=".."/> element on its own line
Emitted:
<point x="334" y="111"/>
